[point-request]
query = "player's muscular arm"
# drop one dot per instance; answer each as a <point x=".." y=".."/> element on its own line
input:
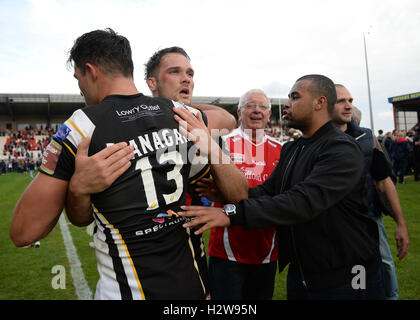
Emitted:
<point x="38" y="209"/>
<point x="78" y="208"/>
<point x="92" y="175"/>
<point x="231" y="182"/>
<point x="218" y="118"/>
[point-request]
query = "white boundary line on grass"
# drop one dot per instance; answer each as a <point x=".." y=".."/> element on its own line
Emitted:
<point x="83" y="291"/>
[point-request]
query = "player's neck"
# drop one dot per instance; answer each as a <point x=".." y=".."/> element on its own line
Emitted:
<point x="120" y="86"/>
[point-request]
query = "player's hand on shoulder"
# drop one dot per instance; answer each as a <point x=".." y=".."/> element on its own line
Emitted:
<point x="194" y="128"/>
<point x="96" y="173"/>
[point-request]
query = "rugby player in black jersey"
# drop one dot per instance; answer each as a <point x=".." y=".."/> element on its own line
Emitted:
<point x="169" y="75"/>
<point x="141" y="248"/>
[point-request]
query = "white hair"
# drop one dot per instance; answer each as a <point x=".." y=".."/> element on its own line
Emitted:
<point x="357" y="114"/>
<point x="245" y="96"/>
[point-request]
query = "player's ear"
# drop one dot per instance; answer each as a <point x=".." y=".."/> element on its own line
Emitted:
<point x="152" y="84"/>
<point x="92" y="70"/>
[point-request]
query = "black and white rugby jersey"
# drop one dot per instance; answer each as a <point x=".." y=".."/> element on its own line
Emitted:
<point x="143" y="252"/>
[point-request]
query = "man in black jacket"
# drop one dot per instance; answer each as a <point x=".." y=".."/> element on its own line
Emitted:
<point x="316" y="197"/>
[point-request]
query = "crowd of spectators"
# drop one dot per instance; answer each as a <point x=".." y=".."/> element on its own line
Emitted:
<point x="403" y="148"/>
<point x="22" y="149"/>
<point x="284" y="134"/>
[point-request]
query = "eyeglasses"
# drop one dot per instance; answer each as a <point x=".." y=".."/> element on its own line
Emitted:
<point x="253" y="106"/>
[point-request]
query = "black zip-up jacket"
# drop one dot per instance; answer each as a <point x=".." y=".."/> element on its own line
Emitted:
<point x="316" y="196"/>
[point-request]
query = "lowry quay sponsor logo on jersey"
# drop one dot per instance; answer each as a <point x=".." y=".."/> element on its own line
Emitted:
<point x="135" y="112"/>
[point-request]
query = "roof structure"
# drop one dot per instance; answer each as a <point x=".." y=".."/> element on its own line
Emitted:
<point x="406" y="109"/>
<point x="19" y="106"/>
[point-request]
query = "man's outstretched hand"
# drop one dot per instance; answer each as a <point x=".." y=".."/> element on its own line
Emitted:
<point x="204" y="218"/>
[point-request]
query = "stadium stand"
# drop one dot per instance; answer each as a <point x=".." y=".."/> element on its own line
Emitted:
<point x="20" y="111"/>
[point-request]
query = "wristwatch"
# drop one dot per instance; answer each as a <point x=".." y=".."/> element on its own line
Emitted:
<point x="229" y="209"/>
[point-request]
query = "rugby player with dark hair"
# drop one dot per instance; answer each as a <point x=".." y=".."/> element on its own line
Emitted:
<point x="169" y="75"/>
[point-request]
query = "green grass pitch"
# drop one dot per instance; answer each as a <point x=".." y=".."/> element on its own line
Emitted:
<point x="26" y="273"/>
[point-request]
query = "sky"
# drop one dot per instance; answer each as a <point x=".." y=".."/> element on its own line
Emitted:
<point x="234" y="45"/>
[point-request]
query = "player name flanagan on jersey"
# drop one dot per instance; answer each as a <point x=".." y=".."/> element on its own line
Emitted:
<point x="164" y="140"/>
<point x="156" y="140"/>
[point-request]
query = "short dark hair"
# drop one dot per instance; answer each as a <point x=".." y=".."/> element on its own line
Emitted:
<point x="323" y="86"/>
<point x="154" y="62"/>
<point x="105" y="49"/>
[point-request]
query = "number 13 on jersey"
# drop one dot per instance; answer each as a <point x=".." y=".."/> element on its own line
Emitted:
<point x="149" y="184"/>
